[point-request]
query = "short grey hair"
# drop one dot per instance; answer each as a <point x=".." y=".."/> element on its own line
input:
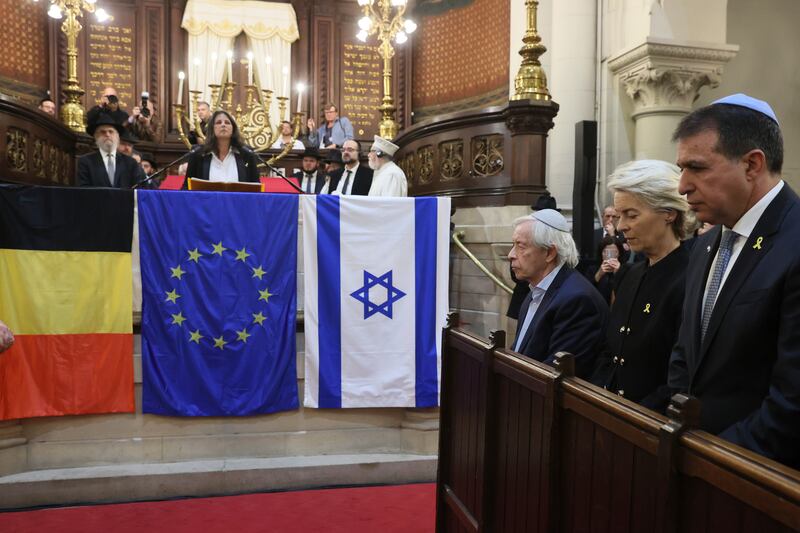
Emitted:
<point x="656" y="184"/>
<point x="544" y="236"/>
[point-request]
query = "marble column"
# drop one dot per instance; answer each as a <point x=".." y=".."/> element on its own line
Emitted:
<point x="663" y="78"/>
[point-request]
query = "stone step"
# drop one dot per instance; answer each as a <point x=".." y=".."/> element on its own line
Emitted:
<point x="135" y="482"/>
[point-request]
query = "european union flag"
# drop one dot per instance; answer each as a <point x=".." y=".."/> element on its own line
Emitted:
<point x="219" y="299"/>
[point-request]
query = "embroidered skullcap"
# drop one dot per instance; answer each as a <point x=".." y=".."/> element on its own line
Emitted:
<point x="742" y="100"/>
<point x="385" y="146"/>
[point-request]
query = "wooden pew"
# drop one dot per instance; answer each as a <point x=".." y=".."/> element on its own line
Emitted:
<point x="529" y="447"/>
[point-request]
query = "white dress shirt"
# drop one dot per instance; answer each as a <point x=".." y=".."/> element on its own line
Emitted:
<point x="340" y="185"/>
<point x="224" y="170"/>
<point x="537" y="295"/>
<point x="106" y="156"/>
<point x="305" y="179"/>
<point x="743" y="227"/>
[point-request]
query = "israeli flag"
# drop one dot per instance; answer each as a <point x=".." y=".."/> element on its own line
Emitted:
<point x="376" y="288"/>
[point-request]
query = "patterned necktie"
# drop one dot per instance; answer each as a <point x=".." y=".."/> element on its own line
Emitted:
<point x="723" y="257"/>
<point x="346" y="182"/>
<point x="110" y="168"/>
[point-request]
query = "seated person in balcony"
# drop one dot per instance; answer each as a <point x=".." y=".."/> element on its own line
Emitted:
<point x="738" y="349"/>
<point x="107" y="167"/>
<point x="354" y="178"/>
<point x="562" y="312"/>
<point x="225" y="156"/>
<point x="109" y="105"/>
<point x="311" y="178"/>
<point x="6" y="337"/>
<point x="333" y="133"/>
<point x="648" y="296"/>
<point x="46" y="105"/>
<point x="285" y="138"/>
<point x="203" y="114"/>
<point x="145" y="125"/>
<point x="388" y="179"/>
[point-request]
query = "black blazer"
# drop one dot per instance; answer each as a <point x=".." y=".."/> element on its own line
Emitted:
<point x="746" y="372"/>
<point x="644" y="323"/>
<point x="91" y="171"/>
<point x="246" y="165"/>
<point x="572" y="317"/>
<point x="318" y="185"/>
<point x="362" y="183"/>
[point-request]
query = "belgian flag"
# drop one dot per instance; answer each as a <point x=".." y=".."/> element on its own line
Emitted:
<point x="66" y="292"/>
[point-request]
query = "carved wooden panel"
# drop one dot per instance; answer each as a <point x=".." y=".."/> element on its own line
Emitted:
<point x="425" y="164"/>
<point x="487" y="155"/>
<point x="451" y="159"/>
<point x="17" y="149"/>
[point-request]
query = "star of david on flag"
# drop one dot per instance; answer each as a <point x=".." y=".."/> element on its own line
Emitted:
<point x="375" y="295"/>
<point x="218" y="303"/>
<point x="363" y="294"/>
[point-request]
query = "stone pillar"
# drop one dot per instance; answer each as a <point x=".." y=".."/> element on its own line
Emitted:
<point x="663" y="78"/>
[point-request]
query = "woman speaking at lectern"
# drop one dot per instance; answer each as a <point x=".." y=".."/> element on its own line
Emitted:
<point x="224" y="156"/>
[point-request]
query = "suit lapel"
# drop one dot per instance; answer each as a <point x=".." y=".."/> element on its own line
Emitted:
<point x="562" y="275"/>
<point x="525" y="304"/>
<point x="206" y="169"/>
<point x="749" y="257"/>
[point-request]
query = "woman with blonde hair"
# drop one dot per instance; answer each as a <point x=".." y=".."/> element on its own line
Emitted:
<point x="646" y="313"/>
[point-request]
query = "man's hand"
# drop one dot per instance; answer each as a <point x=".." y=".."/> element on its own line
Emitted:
<point x="6" y="337"/>
<point x="137" y="111"/>
<point x="311" y="125"/>
<point x="610" y="229"/>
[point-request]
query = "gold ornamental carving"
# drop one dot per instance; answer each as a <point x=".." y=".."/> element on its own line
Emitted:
<point x="531" y="81"/>
<point x="451" y="155"/>
<point x="17" y="149"/>
<point x="37" y="158"/>
<point x="53" y="163"/>
<point x="425" y="159"/>
<point x="409" y="167"/>
<point x="487" y="159"/>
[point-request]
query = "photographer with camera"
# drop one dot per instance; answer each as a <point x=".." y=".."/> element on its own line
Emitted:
<point x="109" y="105"/>
<point x="144" y="123"/>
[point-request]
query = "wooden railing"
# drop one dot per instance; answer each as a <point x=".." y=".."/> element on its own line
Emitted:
<point x="528" y="447"/>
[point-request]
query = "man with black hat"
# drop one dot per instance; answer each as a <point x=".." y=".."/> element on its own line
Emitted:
<point x="333" y="161"/>
<point x="107" y="167"/>
<point x="126" y="142"/>
<point x="148" y="163"/>
<point x="311" y="180"/>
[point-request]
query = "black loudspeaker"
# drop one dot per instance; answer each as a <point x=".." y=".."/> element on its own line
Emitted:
<point x="583" y="187"/>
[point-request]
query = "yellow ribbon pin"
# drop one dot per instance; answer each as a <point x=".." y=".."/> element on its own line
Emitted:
<point x="757" y="245"/>
<point x="647" y="308"/>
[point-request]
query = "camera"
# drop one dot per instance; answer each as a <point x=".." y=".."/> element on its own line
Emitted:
<point x="145" y="111"/>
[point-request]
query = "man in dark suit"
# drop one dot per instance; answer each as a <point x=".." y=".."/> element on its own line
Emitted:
<point x="738" y="349"/>
<point x="353" y="178"/>
<point x="107" y="167"/>
<point x="311" y="179"/>
<point x="562" y="312"/>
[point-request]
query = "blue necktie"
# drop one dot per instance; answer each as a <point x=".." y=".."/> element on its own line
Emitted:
<point x="723" y="257"/>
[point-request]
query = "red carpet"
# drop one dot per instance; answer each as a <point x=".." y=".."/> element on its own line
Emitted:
<point x="403" y="508"/>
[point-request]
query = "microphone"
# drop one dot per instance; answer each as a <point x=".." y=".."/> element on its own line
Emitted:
<point x="249" y="150"/>
<point x="161" y="172"/>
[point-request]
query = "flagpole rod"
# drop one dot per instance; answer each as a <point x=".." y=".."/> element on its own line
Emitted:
<point x="457" y="236"/>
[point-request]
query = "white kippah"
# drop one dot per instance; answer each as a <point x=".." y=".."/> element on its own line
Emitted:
<point x="552" y="218"/>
